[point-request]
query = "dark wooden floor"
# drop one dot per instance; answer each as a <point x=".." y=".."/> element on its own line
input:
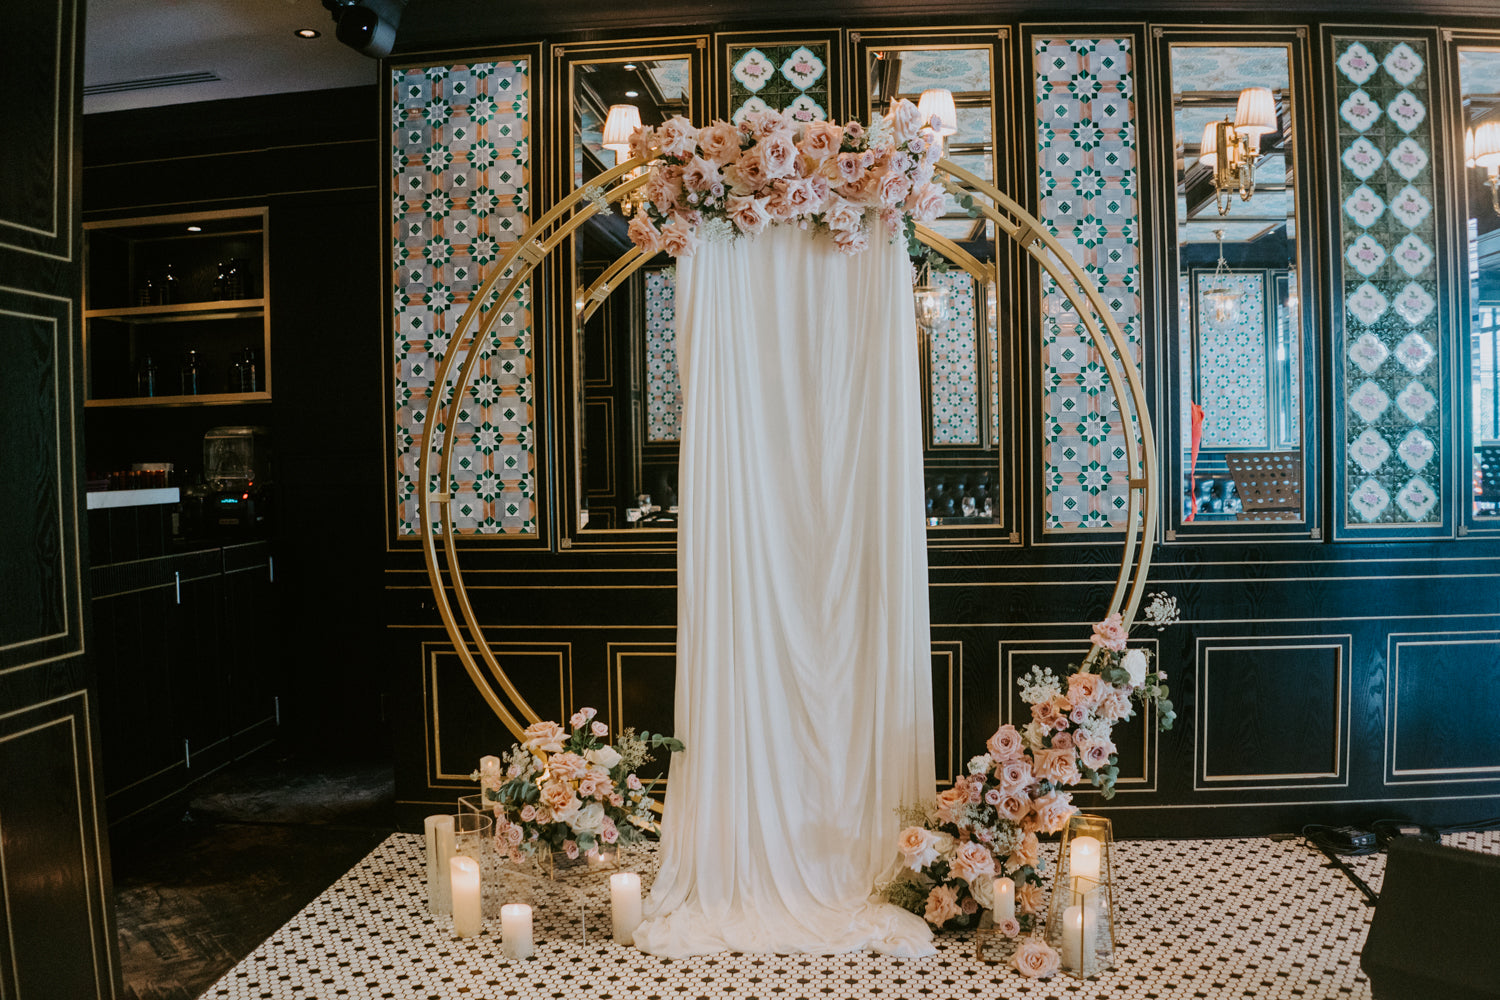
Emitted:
<point x="196" y="891"/>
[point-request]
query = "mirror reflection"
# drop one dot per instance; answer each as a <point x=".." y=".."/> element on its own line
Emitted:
<point x="955" y="309"/>
<point x="628" y="404"/>
<point x="628" y="401"/>
<point x="1240" y="342"/>
<point x="1479" y="79"/>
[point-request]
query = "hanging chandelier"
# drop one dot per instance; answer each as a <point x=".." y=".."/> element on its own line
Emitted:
<point x="1230" y="148"/>
<point x="931" y="299"/>
<point x="1223" y="302"/>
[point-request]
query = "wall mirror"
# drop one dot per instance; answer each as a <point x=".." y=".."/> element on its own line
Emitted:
<point x="957" y="309"/>
<point x="1479" y="82"/>
<point x="1240" y="341"/>
<point x="625" y="401"/>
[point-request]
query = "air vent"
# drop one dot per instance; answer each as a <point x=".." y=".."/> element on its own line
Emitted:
<point x="150" y="83"/>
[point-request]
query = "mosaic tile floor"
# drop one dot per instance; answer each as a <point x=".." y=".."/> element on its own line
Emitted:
<point x="1219" y="918"/>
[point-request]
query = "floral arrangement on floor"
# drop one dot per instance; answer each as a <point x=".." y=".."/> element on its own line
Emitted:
<point x="572" y="793"/>
<point x="725" y="180"/>
<point x="988" y="824"/>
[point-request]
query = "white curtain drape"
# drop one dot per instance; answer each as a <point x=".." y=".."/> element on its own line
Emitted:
<point x="804" y="689"/>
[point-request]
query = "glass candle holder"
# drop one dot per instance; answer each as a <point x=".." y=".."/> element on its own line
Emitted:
<point x="474" y="837"/>
<point x="1081" y="917"/>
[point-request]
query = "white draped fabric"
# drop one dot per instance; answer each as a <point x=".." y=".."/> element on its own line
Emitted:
<point x="804" y="689"/>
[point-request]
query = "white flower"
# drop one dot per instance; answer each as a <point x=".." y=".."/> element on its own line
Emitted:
<point x="590" y="819"/>
<point x="1134" y="664"/>
<point x="980" y="764"/>
<point x="606" y="757"/>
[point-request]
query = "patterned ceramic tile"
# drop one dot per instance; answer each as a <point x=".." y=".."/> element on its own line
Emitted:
<point x="1390" y="353"/>
<point x="1232" y="364"/>
<point x="663" y="391"/>
<point x="1088" y="179"/>
<point x="1248" y="917"/>
<point x="953" y="359"/>
<point x="778" y="78"/>
<point x="460" y="189"/>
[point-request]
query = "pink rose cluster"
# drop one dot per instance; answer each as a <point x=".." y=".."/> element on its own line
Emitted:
<point x="771" y="168"/>
<point x="570" y="792"/>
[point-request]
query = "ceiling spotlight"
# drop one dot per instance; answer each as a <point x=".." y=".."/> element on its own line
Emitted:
<point x="628" y="67"/>
<point x="308" y="33"/>
<point x="195" y="229"/>
<point x="632" y="93"/>
<point x="367" y="25"/>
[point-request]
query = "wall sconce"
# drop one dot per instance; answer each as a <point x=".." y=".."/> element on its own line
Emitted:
<point x="938" y="103"/>
<point x="1232" y="147"/>
<point x="621" y="123"/>
<point x="1222" y="301"/>
<point x="1482" y="149"/>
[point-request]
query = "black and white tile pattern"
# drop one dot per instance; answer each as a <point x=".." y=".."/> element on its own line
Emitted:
<point x="1219" y="918"/>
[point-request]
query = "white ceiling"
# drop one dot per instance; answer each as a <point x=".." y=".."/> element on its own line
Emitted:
<point x="248" y="44"/>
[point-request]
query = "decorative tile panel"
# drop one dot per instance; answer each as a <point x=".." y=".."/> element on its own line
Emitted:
<point x="1232" y="364"/>
<point x="953" y="362"/>
<point x="1088" y="182"/>
<point x="779" y="77"/>
<point x="663" y="391"/>
<point x="1390" y="357"/>
<point x="460" y="190"/>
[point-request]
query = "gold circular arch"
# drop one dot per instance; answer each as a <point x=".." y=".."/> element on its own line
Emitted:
<point x="564" y="218"/>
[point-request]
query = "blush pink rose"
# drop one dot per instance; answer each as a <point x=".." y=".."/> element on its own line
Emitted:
<point x="851" y="241"/>
<point x="1036" y="959"/>
<point x="1095" y="751"/>
<point x="641" y="141"/>
<point x="528" y="813"/>
<point x="864" y="189"/>
<point x="678" y="137"/>
<point x="1110" y="633"/>
<point x="1063" y="741"/>
<point x="678" y="238"/>
<point x="1052" y="811"/>
<point x="664" y="187"/>
<point x="854" y="131"/>
<point x="851" y="165"/>
<point x="1005" y="744"/>
<point x="720" y="142"/>
<point x="972" y="860"/>
<point x="762" y="123"/>
<point x="1084" y="690"/>
<point x="1114" y="706"/>
<point x="1047" y="715"/>
<point x="841" y="214"/>
<point x="582" y="716"/>
<point x="1016" y="775"/>
<point x="1029" y="897"/>
<point x="950" y="801"/>
<point x="906" y="120"/>
<point x="702" y="175"/>
<point x="942" y="905"/>
<point x="599" y="729"/>
<point x="893" y="188"/>
<point x="644" y="234"/>
<point x="570" y="848"/>
<point x="1058" y="766"/>
<point x="1025" y="853"/>
<point x="1013" y="805"/>
<point x="513" y="835"/>
<point x="1009" y="926"/>
<point x="779" y="153"/>
<point x="559" y="800"/>
<point x="925" y="202"/>
<point x="543" y="737"/>
<point x="748" y="213"/>
<point x="567" y="766"/>
<point x="820" y="140"/>
<point x="608" y="832"/>
<point x="632" y="782"/>
<point x="918" y="848"/>
<point x="748" y="175"/>
<point x="992" y="797"/>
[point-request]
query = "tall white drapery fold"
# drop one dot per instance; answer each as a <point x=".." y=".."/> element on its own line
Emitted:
<point x="804" y="684"/>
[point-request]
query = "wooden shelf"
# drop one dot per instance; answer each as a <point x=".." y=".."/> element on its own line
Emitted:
<point x="202" y="399"/>
<point x="214" y="309"/>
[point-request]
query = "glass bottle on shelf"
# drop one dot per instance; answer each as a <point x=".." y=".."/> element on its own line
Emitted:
<point x="166" y="291"/>
<point x="249" y="381"/>
<point x="220" y="284"/>
<point x="234" y="279"/>
<point x="145" y="378"/>
<point x="235" y="377"/>
<point x="145" y="294"/>
<point x="190" y="374"/>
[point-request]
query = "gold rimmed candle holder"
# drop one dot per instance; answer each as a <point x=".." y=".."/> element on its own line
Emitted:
<point x="1081" y="916"/>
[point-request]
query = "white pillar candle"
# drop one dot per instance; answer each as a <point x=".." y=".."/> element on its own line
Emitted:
<point x="1005" y="899"/>
<point x="515" y="930"/>
<point x="439" y="832"/>
<point x="1074" y="938"/>
<point x="625" y="905"/>
<point x="1083" y="858"/>
<point x="468" y="914"/>
<point x="489" y="768"/>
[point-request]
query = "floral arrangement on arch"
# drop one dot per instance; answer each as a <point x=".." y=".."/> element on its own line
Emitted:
<point x="726" y="180"/>
<point x="989" y="823"/>
<point x="572" y="793"/>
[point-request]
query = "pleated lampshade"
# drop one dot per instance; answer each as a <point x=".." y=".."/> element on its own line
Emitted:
<point x="622" y="121"/>
<point x="1255" y="115"/>
<point x="938" y="103"/>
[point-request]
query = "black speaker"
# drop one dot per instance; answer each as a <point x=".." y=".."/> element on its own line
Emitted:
<point x="1433" y="933"/>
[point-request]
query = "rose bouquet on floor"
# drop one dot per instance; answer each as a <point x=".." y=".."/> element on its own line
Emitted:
<point x="572" y="793"/>
<point x="725" y="180"/>
<point x="988" y="823"/>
